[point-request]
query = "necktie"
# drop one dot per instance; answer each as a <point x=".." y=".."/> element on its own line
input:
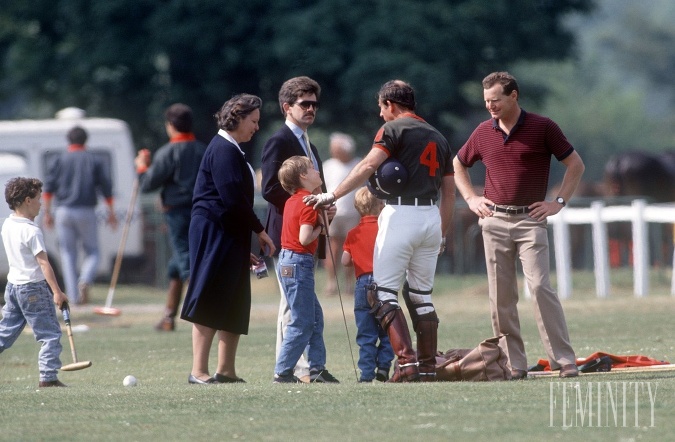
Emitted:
<point x="309" y="148"/>
<point x="321" y="248"/>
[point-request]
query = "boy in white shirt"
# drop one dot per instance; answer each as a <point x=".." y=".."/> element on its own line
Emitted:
<point x="28" y="299"/>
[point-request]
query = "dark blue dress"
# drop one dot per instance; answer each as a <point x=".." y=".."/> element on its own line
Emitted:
<point x="219" y="293"/>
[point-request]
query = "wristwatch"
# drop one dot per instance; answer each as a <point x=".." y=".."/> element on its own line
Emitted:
<point x="560" y="200"/>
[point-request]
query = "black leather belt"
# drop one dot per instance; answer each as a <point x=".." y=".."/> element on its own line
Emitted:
<point x="400" y="201"/>
<point x="511" y="210"/>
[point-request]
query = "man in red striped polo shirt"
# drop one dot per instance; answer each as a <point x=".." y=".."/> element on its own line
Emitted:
<point x="516" y="148"/>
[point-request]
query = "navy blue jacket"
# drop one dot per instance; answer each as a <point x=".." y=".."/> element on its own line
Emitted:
<point x="224" y="189"/>
<point x="281" y="146"/>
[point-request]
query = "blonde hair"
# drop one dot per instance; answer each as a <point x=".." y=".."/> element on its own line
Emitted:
<point x="366" y="203"/>
<point x="290" y="171"/>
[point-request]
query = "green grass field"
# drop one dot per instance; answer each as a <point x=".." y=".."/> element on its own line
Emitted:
<point x="164" y="407"/>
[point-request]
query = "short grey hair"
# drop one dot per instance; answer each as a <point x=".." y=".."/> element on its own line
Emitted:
<point x="344" y="141"/>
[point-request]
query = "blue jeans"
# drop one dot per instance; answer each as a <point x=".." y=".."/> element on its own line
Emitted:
<point x="305" y="329"/>
<point x="368" y="331"/>
<point x="77" y="226"/>
<point x="33" y="304"/>
<point x="178" y="221"/>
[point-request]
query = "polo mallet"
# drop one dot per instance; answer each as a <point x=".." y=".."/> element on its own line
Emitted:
<point x="75" y="365"/>
<point x="337" y="285"/>
<point x="108" y="309"/>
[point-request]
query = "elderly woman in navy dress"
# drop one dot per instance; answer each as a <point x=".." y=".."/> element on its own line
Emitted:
<point x="219" y="294"/>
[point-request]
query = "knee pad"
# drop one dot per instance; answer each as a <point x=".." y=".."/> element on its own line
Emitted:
<point x="384" y="311"/>
<point x="373" y="299"/>
<point x="371" y="295"/>
<point x="415" y="302"/>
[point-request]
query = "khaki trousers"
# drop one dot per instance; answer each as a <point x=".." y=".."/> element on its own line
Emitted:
<point x="507" y="238"/>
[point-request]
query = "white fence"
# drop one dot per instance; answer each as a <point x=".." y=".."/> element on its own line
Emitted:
<point x="598" y="215"/>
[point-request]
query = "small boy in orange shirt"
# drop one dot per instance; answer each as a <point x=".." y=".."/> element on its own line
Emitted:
<point x="374" y="359"/>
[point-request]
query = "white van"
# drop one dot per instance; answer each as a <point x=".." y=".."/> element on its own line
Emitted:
<point x="26" y="147"/>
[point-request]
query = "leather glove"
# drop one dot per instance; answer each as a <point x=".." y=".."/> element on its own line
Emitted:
<point x="319" y="201"/>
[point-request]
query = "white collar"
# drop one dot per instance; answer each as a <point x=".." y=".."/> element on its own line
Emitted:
<point x="20" y="219"/>
<point x="297" y="130"/>
<point x="228" y="137"/>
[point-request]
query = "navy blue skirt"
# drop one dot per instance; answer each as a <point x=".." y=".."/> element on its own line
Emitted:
<point x="219" y="293"/>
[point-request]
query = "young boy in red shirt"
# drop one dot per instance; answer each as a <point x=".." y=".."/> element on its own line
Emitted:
<point x="299" y="239"/>
<point x="374" y="359"/>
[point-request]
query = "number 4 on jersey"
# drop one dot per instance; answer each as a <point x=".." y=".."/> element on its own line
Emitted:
<point x="428" y="158"/>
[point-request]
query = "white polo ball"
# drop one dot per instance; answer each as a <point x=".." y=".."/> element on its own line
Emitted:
<point x="129" y="381"/>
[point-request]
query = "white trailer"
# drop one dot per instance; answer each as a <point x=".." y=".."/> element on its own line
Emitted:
<point x="26" y="148"/>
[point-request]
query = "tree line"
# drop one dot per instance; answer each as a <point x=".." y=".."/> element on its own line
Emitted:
<point x="129" y="59"/>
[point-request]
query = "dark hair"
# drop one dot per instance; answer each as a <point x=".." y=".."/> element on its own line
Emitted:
<point x="399" y="92"/>
<point x="18" y="189"/>
<point x="290" y="171"/>
<point x="292" y="89"/>
<point x="508" y="82"/>
<point x="236" y="109"/>
<point x="180" y="117"/>
<point x="77" y="135"/>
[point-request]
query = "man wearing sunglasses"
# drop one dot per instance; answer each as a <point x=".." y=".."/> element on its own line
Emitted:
<point x="299" y="102"/>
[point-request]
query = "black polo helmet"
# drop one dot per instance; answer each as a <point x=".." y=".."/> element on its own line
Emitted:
<point x="389" y="179"/>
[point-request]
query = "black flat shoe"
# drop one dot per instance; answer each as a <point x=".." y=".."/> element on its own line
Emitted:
<point x="194" y="380"/>
<point x="517" y="374"/>
<point x="222" y="379"/>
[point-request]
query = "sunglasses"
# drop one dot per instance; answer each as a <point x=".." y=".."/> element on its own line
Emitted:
<point x="305" y="105"/>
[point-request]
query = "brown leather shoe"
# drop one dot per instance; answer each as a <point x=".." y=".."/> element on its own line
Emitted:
<point x="517" y="374"/>
<point x="56" y="383"/>
<point x="569" y="371"/>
